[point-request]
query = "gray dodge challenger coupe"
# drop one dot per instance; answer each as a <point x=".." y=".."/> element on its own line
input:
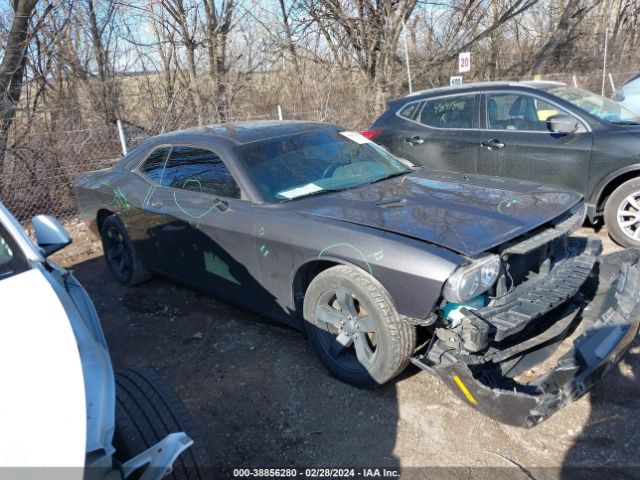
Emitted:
<point x="475" y="279"/>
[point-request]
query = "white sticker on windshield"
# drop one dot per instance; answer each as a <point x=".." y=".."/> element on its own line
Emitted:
<point x="300" y="191"/>
<point x="356" y="137"/>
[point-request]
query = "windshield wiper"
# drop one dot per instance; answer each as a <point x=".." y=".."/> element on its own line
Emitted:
<point x="319" y="192"/>
<point x="391" y="175"/>
<point x="624" y="122"/>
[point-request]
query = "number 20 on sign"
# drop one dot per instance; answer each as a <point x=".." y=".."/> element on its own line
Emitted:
<point x="464" y="62"/>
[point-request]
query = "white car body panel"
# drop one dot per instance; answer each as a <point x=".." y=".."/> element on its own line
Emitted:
<point x="630" y="94"/>
<point x="42" y="408"/>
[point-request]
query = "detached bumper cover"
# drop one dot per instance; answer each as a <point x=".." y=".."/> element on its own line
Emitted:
<point x="592" y="331"/>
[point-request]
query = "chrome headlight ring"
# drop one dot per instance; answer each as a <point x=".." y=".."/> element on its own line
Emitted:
<point x="470" y="280"/>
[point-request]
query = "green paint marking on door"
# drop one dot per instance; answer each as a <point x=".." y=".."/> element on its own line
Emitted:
<point x="218" y="267"/>
<point x="120" y="199"/>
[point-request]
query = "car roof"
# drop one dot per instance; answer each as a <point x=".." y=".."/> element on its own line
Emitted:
<point x="247" y="132"/>
<point x="479" y="86"/>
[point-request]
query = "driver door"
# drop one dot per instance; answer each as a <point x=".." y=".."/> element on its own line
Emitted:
<point x="209" y="240"/>
<point x="516" y="143"/>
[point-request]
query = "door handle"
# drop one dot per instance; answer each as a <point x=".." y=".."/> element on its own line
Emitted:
<point x="221" y="205"/>
<point x="493" y="144"/>
<point x="157" y="203"/>
<point x="415" y="140"/>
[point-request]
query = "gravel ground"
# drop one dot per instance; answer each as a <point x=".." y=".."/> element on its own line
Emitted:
<point x="264" y="400"/>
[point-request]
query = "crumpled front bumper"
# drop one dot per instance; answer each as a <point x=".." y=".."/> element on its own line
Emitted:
<point x="592" y="332"/>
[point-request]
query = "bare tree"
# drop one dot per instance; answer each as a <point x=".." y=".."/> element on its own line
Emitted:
<point x="289" y="37"/>
<point x="101" y="34"/>
<point x="179" y="20"/>
<point x="218" y="25"/>
<point x="368" y="31"/>
<point x="13" y="64"/>
<point x="564" y="36"/>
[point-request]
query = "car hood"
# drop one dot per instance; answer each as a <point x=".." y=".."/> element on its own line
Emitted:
<point x="43" y="414"/>
<point x="468" y="214"/>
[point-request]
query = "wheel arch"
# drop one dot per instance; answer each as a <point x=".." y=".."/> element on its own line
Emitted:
<point x="101" y="216"/>
<point x="310" y="269"/>
<point x="612" y="182"/>
<point x="305" y="274"/>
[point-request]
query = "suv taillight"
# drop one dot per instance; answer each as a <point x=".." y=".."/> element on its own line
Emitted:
<point x="371" y="134"/>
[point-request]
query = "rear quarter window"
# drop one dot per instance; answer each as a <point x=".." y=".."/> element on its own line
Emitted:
<point x="409" y="110"/>
<point x="153" y="166"/>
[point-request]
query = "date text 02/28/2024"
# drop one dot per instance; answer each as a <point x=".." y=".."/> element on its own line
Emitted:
<point x="316" y="473"/>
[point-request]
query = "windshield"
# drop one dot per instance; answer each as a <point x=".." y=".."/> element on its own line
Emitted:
<point x="12" y="260"/>
<point x="312" y="163"/>
<point x="596" y="105"/>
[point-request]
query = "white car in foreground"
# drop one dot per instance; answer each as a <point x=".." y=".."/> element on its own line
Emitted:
<point x="61" y="404"/>
<point x="629" y="95"/>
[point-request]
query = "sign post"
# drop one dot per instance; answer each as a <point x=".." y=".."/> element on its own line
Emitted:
<point x="455" y="81"/>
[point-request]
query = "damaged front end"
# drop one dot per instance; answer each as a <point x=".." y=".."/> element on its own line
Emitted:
<point x="559" y="317"/>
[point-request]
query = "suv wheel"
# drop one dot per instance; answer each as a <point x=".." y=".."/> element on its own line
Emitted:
<point x="354" y="327"/>
<point x="622" y="214"/>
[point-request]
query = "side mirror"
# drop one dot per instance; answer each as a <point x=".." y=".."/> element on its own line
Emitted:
<point x="50" y="235"/>
<point x="562" y="123"/>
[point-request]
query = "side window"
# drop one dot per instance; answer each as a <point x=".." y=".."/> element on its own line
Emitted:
<point x="154" y="164"/>
<point x="545" y="110"/>
<point x="199" y="170"/>
<point x="12" y="261"/>
<point x="409" y="110"/>
<point x="511" y="111"/>
<point x="449" y="112"/>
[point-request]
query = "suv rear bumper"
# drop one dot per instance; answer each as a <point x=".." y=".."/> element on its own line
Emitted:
<point x="588" y="335"/>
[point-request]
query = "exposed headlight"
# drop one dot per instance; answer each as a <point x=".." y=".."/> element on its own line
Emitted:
<point x="471" y="280"/>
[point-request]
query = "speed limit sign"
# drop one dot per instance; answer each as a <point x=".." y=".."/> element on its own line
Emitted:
<point x="464" y="62"/>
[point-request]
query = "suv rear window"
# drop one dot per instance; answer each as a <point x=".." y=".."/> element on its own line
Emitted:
<point x="449" y="112"/>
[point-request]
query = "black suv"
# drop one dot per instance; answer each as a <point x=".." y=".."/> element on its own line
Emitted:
<point x="541" y="131"/>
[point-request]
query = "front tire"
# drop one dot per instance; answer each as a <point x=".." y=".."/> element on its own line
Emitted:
<point x="354" y="328"/>
<point x="622" y="214"/>
<point x="122" y="260"/>
<point x="147" y="410"/>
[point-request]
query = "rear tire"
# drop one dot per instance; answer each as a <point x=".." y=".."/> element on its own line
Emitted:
<point x="621" y="217"/>
<point x="147" y="410"/>
<point x="122" y="260"/>
<point x="354" y="328"/>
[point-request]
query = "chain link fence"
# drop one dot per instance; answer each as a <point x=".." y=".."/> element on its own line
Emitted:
<point x="43" y="160"/>
<point x="48" y="151"/>
<point x="45" y="157"/>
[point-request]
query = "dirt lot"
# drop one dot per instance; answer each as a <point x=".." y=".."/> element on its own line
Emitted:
<point x="263" y="400"/>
